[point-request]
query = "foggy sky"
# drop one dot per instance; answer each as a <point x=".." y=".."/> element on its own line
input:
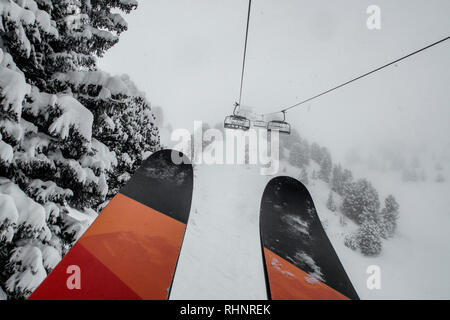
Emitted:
<point x="186" y="56"/>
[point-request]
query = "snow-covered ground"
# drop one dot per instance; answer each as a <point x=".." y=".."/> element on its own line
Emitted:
<point x="415" y="264"/>
<point x="221" y="255"/>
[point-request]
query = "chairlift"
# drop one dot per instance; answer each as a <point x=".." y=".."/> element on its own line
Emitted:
<point x="280" y="126"/>
<point x="236" y="122"/>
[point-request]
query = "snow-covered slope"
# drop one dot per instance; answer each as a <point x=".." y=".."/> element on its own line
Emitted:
<point x="221" y="255"/>
<point x="415" y="263"/>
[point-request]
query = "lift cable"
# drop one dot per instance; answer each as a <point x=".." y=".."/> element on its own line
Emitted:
<point x="360" y="77"/>
<point x="245" y="52"/>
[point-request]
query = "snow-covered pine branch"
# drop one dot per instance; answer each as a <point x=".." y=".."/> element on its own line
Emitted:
<point x="70" y="135"/>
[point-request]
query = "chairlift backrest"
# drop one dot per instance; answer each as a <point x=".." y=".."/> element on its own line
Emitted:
<point x="281" y="126"/>
<point x="236" y="122"/>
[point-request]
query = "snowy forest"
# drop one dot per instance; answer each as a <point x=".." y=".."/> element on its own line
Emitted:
<point x="70" y="134"/>
<point x="355" y="199"/>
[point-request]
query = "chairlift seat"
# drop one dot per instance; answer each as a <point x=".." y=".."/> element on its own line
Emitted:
<point x="236" y="122"/>
<point x="281" y="126"/>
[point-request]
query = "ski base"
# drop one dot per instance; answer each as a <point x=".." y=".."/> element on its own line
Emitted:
<point x="131" y="250"/>
<point x="300" y="262"/>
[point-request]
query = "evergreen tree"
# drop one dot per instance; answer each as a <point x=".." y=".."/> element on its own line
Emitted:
<point x="336" y="180"/>
<point x="70" y="135"/>
<point x="368" y="239"/>
<point x="123" y="119"/>
<point x="351" y="242"/>
<point x="361" y="201"/>
<point x="389" y="216"/>
<point x="340" y="179"/>
<point x="330" y="203"/>
<point x="316" y="152"/>
<point x="346" y="180"/>
<point x="326" y="166"/>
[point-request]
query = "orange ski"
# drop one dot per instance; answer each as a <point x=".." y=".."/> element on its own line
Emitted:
<point x="132" y="248"/>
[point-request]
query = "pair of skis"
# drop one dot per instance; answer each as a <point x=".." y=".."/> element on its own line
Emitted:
<point x="131" y="250"/>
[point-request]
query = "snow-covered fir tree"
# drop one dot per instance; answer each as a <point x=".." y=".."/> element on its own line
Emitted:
<point x="316" y="152"/>
<point x="368" y="239"/>
<point x="70" y="135"/>
<point x="340" y="179"/>
<point x="383" y="224"/>
<point x="361" y="201"/>
<point x="389" y="216"/>
<point x="336" y="180"/>
<point x="330" y="202"/>
<point x="326" y="165"/>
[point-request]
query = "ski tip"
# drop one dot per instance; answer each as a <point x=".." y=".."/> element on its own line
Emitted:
<point x="295" y="243"/>
<point x="163" y="182"/>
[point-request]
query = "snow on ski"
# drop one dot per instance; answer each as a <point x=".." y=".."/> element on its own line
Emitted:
<point x="299" y="259"/>
<point x="131" y="250"/>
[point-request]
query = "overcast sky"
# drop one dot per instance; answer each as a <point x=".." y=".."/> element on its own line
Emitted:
<point x="186" y="56"/>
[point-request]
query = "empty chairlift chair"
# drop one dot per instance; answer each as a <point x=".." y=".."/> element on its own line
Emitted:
<point x="278" y="125"/>
<point x="236" y="122"/>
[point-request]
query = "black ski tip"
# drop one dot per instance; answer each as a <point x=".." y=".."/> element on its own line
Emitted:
<point x="291" y="228"/>
<point x="163" y="182"/>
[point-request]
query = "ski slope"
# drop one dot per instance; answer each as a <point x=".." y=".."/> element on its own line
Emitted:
<point x="221" y="255"/>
